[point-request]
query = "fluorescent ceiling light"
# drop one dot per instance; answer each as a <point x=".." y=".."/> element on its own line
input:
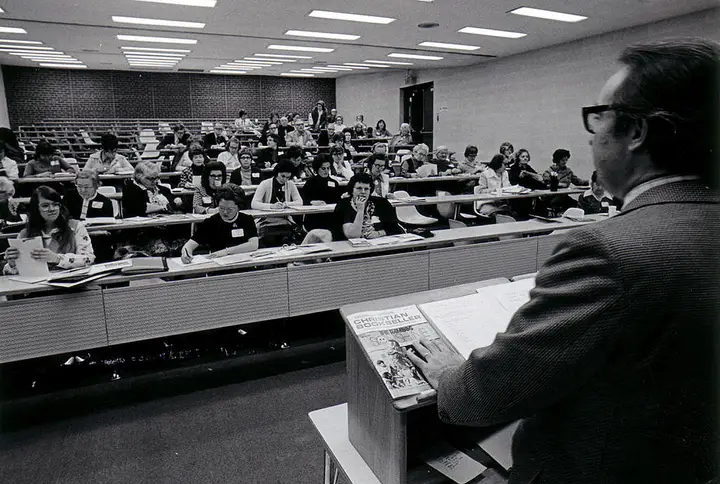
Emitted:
<point x="252" y="68"/>
<point x="163" y="40"/>
<point x="190" y="3"/>
<point x="138" y="57"/>
<point x="68" y="61"/>
<point x="258" y="63"/>
<point x="415" y="56"/>
<point x="427" y="1"/>
<point x="11" y="41"/>
<point x="547" y="14"/>
<point x="155" y="54"/>
<point x="29" y="52"/>
<point x="347" y="67"/>
<point x="160" y="22"/>
<point x="151" y="62"/>
<point x="215" y="71"/>
<point x="155" y="49"/>
<point x="296" y="74"/>
<point x="68" y="66"/>
<point x="322" y="35"/>
<point x="339" y="68"/>
<point x="394" y="63"/>
<point x="48" y="57"/>
<point x="491" y="32"/>
<point x="442" y="45"/>
<point x="355" y="64"/>
<point x="168" y="66"/>
<point x="317" y="70"/>
<point x="13" y="30"/>
<point x="300" y="48"/>
<point x="351" y="17"/>
<point x="284" y="56"/>
<point x="2" y="11"/>
<point x="269" y="60"/>
<point x="25" y="47"/>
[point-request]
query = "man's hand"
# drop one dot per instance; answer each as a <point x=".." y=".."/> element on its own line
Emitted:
<point x="434" y="360"/>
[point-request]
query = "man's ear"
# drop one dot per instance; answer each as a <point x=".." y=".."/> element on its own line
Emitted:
<point x="638" y="133"/>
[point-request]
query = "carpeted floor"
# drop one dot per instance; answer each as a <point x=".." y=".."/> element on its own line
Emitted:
<point x="254" y="432"/>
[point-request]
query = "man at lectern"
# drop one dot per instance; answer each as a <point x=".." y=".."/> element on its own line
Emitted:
<point x="613" y="363"/>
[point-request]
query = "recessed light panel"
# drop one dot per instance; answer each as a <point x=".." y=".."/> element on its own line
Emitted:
<point x="348" y="67"/>
<point x="217" y="71"/>
<point x="67" y="66"/>
<point x="351" y="17"/>
<point x="13" y="30"/>
<point x="12" y="41"/>
<point x="300" y="48"/>
<point x="189" y="3"/>
<point x="296" y="74"/>
<point x="284" y="56"/>
<point x="161" y="40"/>
<point x="24" y="47"/>
<point x="547" y="14"/>
<point x="269" y="60"/>
<point x="491" y="32"/>
<point x="442" y="45"/>
<point x="155" y="49"/>
<point x="355" y="64"/>
<point x="159" y="22"/>
<point x="322" y="35"/>
<point x="394" y="63"/>
<point x="415" y="56"/>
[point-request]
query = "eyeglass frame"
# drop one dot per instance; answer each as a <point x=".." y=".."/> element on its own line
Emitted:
<point x="600" y="108"/>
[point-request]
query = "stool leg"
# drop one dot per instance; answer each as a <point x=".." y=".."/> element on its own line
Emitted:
<point x="328" y="468"/>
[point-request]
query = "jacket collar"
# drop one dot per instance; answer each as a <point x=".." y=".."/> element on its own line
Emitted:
<point x="688" y="191"/>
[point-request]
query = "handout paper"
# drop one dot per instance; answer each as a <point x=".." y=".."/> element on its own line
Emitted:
<point x="454" y="464"/>
<point x="26" y="265"/>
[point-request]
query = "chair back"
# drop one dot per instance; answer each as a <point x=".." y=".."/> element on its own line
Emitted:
<point x="446" y="210"/>
<point x="109" y="190"/>
<point x="206" y="127"/>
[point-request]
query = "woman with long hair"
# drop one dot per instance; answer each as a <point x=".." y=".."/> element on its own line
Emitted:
<point x="66" y="243"/>
<point x="381" y="130"/>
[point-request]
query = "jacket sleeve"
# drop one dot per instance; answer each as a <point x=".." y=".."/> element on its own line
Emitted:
<point x="295" y="198"/>
<point x="84" y="256"/>
<point x="554" y="344"/>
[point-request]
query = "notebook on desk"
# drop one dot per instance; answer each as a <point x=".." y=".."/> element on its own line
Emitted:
<point x="142" y="265"/>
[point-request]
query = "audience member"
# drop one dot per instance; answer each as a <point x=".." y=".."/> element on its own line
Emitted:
<point x="269" y="155"/>
<point x="108" y="160"/>
<point x="300" y="136"/>
<point x="270" y="126"/>
<point x="283" y="130"/>
<point x="403" y="138"/>
<point x="178" y="139"/>
<point x="339" y="125"/>
<point x="47" y="161"/>
<point x="332" y="116"/>
<point x="493" y="180"/>
<point x="521" y="173"/>
<point x="507" y="150"/>
<point x="445" y="166"/>
<point x="341" y="169"/>
<point x="376" y="165"/>
<point x="228" y="231"/>
<point x="182" y="160"/>
<point x="13" y="150"/>
<point x="247" y="174"/>
<point x="301" y="170"/>
<point x="559" y="169"/>
<point x="362" y="215"/>
<point x="214" y="175"/>
<point x="318" y="116"/>
<point x="142" y="195"/>
<point x="66" y="243"/>
<point x="277" y="192"/>
<point x="381" y="130"/>
<point x="347" y="142"/>
<point x="595" y="200"/>
<point x="416" y="166"/>
<point x="359" y="131"/>
<point x="320" y="190"/>
<point x="9" y="208"/>
<point x="470" y="165"/>
<point x="8" y="166"/>
<point x="190" y="177"/>
<point x="230" y="158"/>
<point x="214" y="142"/>
<point x="245" y="124"/>
<point x="85" y="202"/>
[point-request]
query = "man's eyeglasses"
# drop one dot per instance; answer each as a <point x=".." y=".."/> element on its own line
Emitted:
<point x="247" y="157"/>
<point x="591" y="115"/>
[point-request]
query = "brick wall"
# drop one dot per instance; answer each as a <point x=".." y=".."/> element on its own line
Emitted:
<point x="35" y="94"/>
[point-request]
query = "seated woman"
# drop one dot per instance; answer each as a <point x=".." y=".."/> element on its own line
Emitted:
<point x="507" y="150"/>
<point x="143" y="196"/>
<point x="8" y="166"/>
<point x="182" y="160"/>
<point x="339" y="125"/>
<point x="445" y="166"/>
<point x="276" y="193"/>
<point x="381" y="130"/>
<point x="190" y="177"/>
<point x="301" y="170"/>
<point x="246" y="174"/>
<point x="230" y="158"/>
<point x="521" y="173"/>
<point x="268" y="156"/>
<point x="595" y="200"/>
<point x="212" y="178"/>
<point x="376" y="165"/>
<point x="491" y="180"/>
<point x="415" y="166"/>
<point x="403" y="138"/>
<point x="347" y="144"/>
<point x="47" y="162"/>
<point x="228" y="231"/>
<point x="320" y="190"/>
<point x="340" y="168"/>
<point x="107" y="160"/>
<point x="8" y="207"/>
<point x="85" y="202"/>
<point x="362" y="215"/>
<point x="66" y="243"/>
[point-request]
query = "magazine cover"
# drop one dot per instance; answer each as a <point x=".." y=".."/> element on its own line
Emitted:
<point x="384" y="335"/>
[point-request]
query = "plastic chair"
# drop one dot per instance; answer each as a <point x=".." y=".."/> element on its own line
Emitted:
<point x="409" y="214"/>
<point x="206" y="127"/>
<point x="86" y="138"/>
<point x="446" y="210"/>
<point x="148" y="139"/>
<point x="108" y="190"/>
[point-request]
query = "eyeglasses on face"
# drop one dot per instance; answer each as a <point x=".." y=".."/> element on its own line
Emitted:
<point x="152" y="178"/>
<point x="247" y="157"/>
<point x="591" y="115"/>
<point x="216" y="177"/>
<point x="49" y="206"/>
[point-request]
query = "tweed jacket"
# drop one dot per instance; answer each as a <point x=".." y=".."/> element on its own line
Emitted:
<point x="613" y="363"/>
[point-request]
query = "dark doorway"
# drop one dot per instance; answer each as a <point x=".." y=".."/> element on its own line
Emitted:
<point x="417" y="103"/>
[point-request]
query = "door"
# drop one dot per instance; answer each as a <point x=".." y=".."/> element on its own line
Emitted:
<point x="418" y="111"/>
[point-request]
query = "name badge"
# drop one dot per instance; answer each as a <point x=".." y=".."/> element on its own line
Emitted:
<point x="331" y="184"/>
<point x="97" y="205"/>
<point x="604" y="204"/>
<point x="206" y="200"/>
<point x="237" y="233"/>
<point x="374" y="219"/>
<point x="255" y="175"/>
<point x="54" y="163"/>
<point x="197" y="181"/>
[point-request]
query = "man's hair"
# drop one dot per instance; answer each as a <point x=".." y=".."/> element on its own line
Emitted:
<point x="360" y="178"/>
<point x="497" y="161"/>
<point x="294" y="151"/>
<point x="244" y="151"/>
<point x="320" y="159"/>
<point x="470" y="150"/>
<point x="559" y="154"/>
<point x="109" y="142"/>
<point x="233" y="193"/>
<point x="674" y="86"/>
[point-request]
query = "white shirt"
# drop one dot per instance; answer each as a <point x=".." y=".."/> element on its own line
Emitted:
<point x="230" y="161"/>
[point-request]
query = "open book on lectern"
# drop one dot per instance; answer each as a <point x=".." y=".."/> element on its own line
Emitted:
<point x="459" y="325"/>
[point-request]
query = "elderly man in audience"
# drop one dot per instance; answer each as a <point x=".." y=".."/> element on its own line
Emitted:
<point x="230" y="158"/>
<point x="190" y="177"/>
<point x="276" y="193"/>
<point x="228" y="231"/>
<point x="247" y="174"/>
<point x="416" y="166"/>
<point x="340" y="169"/>
<point x="47" y="162"/>
<point x="85" y="202"/>
<point x="8" y="207"/>
<point x="108" y="160"/>
<point x="362" y="215"/>
<point x="403" y="138"/>
<point x="376" y="166"/>
<point x="178" y="139"/>
<point x="320" y="190"/>
<point x="299" y="136"/>
<point x="214" y="142"/>
<point x="66" y="243"/>
<point x="213" y="177"/>
<point x="143" y="196"/>
<point x="8" y="166"/>
<point x="595" y="200"/>
<point x="347" y="143"/>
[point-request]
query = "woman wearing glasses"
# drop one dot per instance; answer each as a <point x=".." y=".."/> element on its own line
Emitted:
<point x="228" y="231"/>
<point x="66" y="243"/>
<point x="246" y="174"/>
<point x="142" y="195"/>
<point x="213" y="177"/>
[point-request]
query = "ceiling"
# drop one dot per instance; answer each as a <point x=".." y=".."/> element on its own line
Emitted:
<point x="236" y="29"/>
